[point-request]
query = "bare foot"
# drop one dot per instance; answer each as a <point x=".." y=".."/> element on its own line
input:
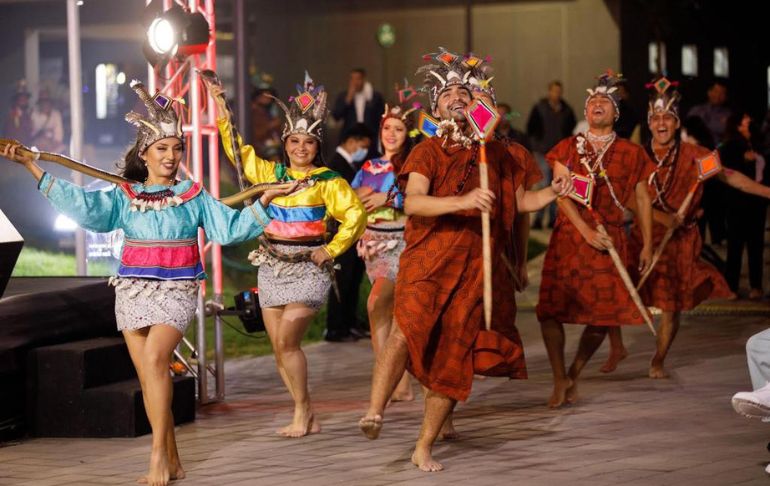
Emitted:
<point x="403" y="396"/>
<point x="175" y="473"/>
<point x="559" y="392"/>
<point x="159" y="473"/>
<point x="612" y="360"/>
<point x="572" y="392"/>
<point x="371" y="425"/>
<point x="448" y="431"/>
<point x="422" y="459"/>
<point x="657" y="371"/>
<point x="301" y="426"/>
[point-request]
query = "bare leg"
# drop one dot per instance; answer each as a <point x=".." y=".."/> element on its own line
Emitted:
<point x="669" y="326"/>
<point x="272" y="318"/>
<point x="553" y="337"/>
<point x="293" y="323"/>
<point x="618" y="351"/>
<point x="589" y="342"/>
<point x="437" y="409"/>
<point x="380" y="309"/>
<point x="448" y="431"/>
<point x="390" y="366"/>
<point x="152" y="349"/>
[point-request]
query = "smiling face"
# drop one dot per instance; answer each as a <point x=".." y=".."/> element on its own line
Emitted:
<point x="393" y="135"/>
<point x="301" y="150"/>
<point x="600" y="112"/>
<point x="163" y="158"/>
<point x="452" y="102"/>
<point x="663" y="127"/>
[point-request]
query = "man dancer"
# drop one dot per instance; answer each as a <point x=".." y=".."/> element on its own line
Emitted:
<point x="580" y="283"/>
<point x="438" y="291"/>
<point x="681" y="279"/>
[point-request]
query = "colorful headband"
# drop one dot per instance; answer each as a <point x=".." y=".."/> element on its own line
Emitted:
<point x="664" y="97"/>
<point x="308" y="110"/>
<point x="161" y="122"/>
<point x="444" y="70"/>
<point x="402" y="110"/>
<point x="607" y="86"/>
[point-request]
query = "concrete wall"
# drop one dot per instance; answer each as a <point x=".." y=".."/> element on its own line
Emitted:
<point x="530" y="43"/>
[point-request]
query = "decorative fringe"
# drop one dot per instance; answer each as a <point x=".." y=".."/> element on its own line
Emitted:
<point x="148" y="288"/>
<point x="142" y="205"/>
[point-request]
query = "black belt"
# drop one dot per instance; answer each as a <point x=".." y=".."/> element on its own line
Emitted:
<point x="316" y="242"/>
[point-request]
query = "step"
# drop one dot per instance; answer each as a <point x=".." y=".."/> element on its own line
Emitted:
<point x="112" y="410"/>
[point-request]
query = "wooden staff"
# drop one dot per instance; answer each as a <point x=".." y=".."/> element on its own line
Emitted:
<point x="486" y="241"/>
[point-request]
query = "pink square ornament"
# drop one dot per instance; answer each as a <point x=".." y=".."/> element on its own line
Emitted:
<point x="304" y="101"/>
<point x="709" y="166"/>
<point x="583" y="189"/>
<point x="483" y="119"/>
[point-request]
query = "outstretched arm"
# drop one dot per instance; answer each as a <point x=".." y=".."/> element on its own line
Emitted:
<point x="744" y="183"/>
<point x="418" y="203"/>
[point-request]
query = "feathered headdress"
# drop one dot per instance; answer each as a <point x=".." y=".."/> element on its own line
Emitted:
<point x="444" y="69"/>
<point x="664" y="97"/>
<point x="307" y="112"/>
<point x="161" y="122"/>
<point x="607" y="85"/>
<point x="405" y="106"/>
<point x="481" y="75"/>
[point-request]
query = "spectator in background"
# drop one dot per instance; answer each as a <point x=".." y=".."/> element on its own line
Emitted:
<point x="265" y="122"/>
<point x="714" y="114"/>
<point x="47" y="125"/>
<point x="341" y="325"/>
<point x="550" y="121"/>
<point x="360" y="104"/>
<point x="628" y="121"/>
<point x="746" y="213"/>
<point x="507" y="131"/>
<point x="18" y="122"/>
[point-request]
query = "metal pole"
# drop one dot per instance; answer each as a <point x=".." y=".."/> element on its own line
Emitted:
<point x="76" y="109"/>
<point x="239" y="24"/>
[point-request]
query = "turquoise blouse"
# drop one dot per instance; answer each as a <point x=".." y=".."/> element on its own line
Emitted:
<point x="158" y="244"/>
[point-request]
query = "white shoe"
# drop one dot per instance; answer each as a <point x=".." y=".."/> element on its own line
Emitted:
<point x="754" y="404"/>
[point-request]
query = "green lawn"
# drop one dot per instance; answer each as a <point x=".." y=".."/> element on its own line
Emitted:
<point x="237" y="276"/>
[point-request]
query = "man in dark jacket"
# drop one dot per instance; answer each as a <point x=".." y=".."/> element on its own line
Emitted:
<point x="360" y="104"/>
<point x="550" y="121"/>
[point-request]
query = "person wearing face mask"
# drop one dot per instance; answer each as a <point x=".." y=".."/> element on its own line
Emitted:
<point x="440" y="336"/>
<point x="295" y="256"/>
<point x="157" y="283"/>
<point x="341" y="322"/>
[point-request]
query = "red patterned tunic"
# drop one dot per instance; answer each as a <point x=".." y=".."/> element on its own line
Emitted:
<point x="580" y="284"/>
<point x="681" y="279"/>
<point x="438" y="295"/>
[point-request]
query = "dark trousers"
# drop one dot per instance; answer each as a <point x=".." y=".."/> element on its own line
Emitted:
<point x="746" y="229"/>
<point x="714" y="214"/>
<point x="341" y="315"/>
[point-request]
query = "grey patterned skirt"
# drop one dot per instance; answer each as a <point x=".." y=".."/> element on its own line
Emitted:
<point x="282" y="283"/>
<point x="380" y="251"/>
<point x="141" y="302"/>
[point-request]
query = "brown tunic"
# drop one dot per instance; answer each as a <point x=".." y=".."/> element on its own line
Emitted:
<point x="681" y="279"/>
<point x="580" y="284"/>
<point x="438" y="294"/>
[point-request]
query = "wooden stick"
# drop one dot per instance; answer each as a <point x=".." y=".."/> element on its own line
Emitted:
<point x="667" y="236"/>
<point x="485" y="239"/>
<point x="624" y="273"/>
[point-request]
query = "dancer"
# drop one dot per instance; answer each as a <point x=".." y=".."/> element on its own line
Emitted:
<point x="580" y="282"/>
<point x="681" y="279"/>
<point x="439" y="335"/>
<point x="293" y="286"/>
<point x="383" y="241"/>
<point x="157" y="283"/>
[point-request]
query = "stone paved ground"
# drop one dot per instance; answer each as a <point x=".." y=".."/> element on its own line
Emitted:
<point x="627" y="429"/>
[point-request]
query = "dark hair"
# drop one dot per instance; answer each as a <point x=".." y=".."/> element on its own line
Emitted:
<point x="505" y="106"/>
<point x="357" y="132"/>
<point x="133" y="166"/>
<point x="718" y="82"/>
<point x="555" y="82"/>
<point x="698" y="130"/>
<point x="732" y="124"/>
<point x="359" y="70"/>
<point x="257" y="92"/>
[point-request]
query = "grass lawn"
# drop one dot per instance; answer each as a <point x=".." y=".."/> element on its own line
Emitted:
<point x="38" y="263"/>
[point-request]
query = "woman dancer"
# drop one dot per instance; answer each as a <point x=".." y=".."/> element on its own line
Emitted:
<point x="157" y="282"/>
<point x="294" y="259"/>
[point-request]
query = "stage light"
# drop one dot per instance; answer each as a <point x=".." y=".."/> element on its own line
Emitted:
<point x="120" y="78"/>
<point x="64" y="224"/>
<point x="173" y="33"/>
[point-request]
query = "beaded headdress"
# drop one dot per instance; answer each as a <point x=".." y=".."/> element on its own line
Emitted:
<point x="664" y="97"/>
<point x="405" y="106"/>
<point x="481" y="75"/>
<point x="307" y="112"/>
<point x="161" y="120"/>
<point x="445" y="69"/>
<point x="607" y="85"/>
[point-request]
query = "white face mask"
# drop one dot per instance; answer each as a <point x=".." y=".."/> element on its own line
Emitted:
<point x="359" y="155"/>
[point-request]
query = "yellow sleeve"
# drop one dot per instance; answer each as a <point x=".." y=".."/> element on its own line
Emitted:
<point x="344" y="206"/>
<point x="255" y="168"/>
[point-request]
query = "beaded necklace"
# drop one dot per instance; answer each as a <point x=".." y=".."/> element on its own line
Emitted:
<point x="156" y="200"/>
<point x="668" y="160"/>
<point x="592" y="160"/>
